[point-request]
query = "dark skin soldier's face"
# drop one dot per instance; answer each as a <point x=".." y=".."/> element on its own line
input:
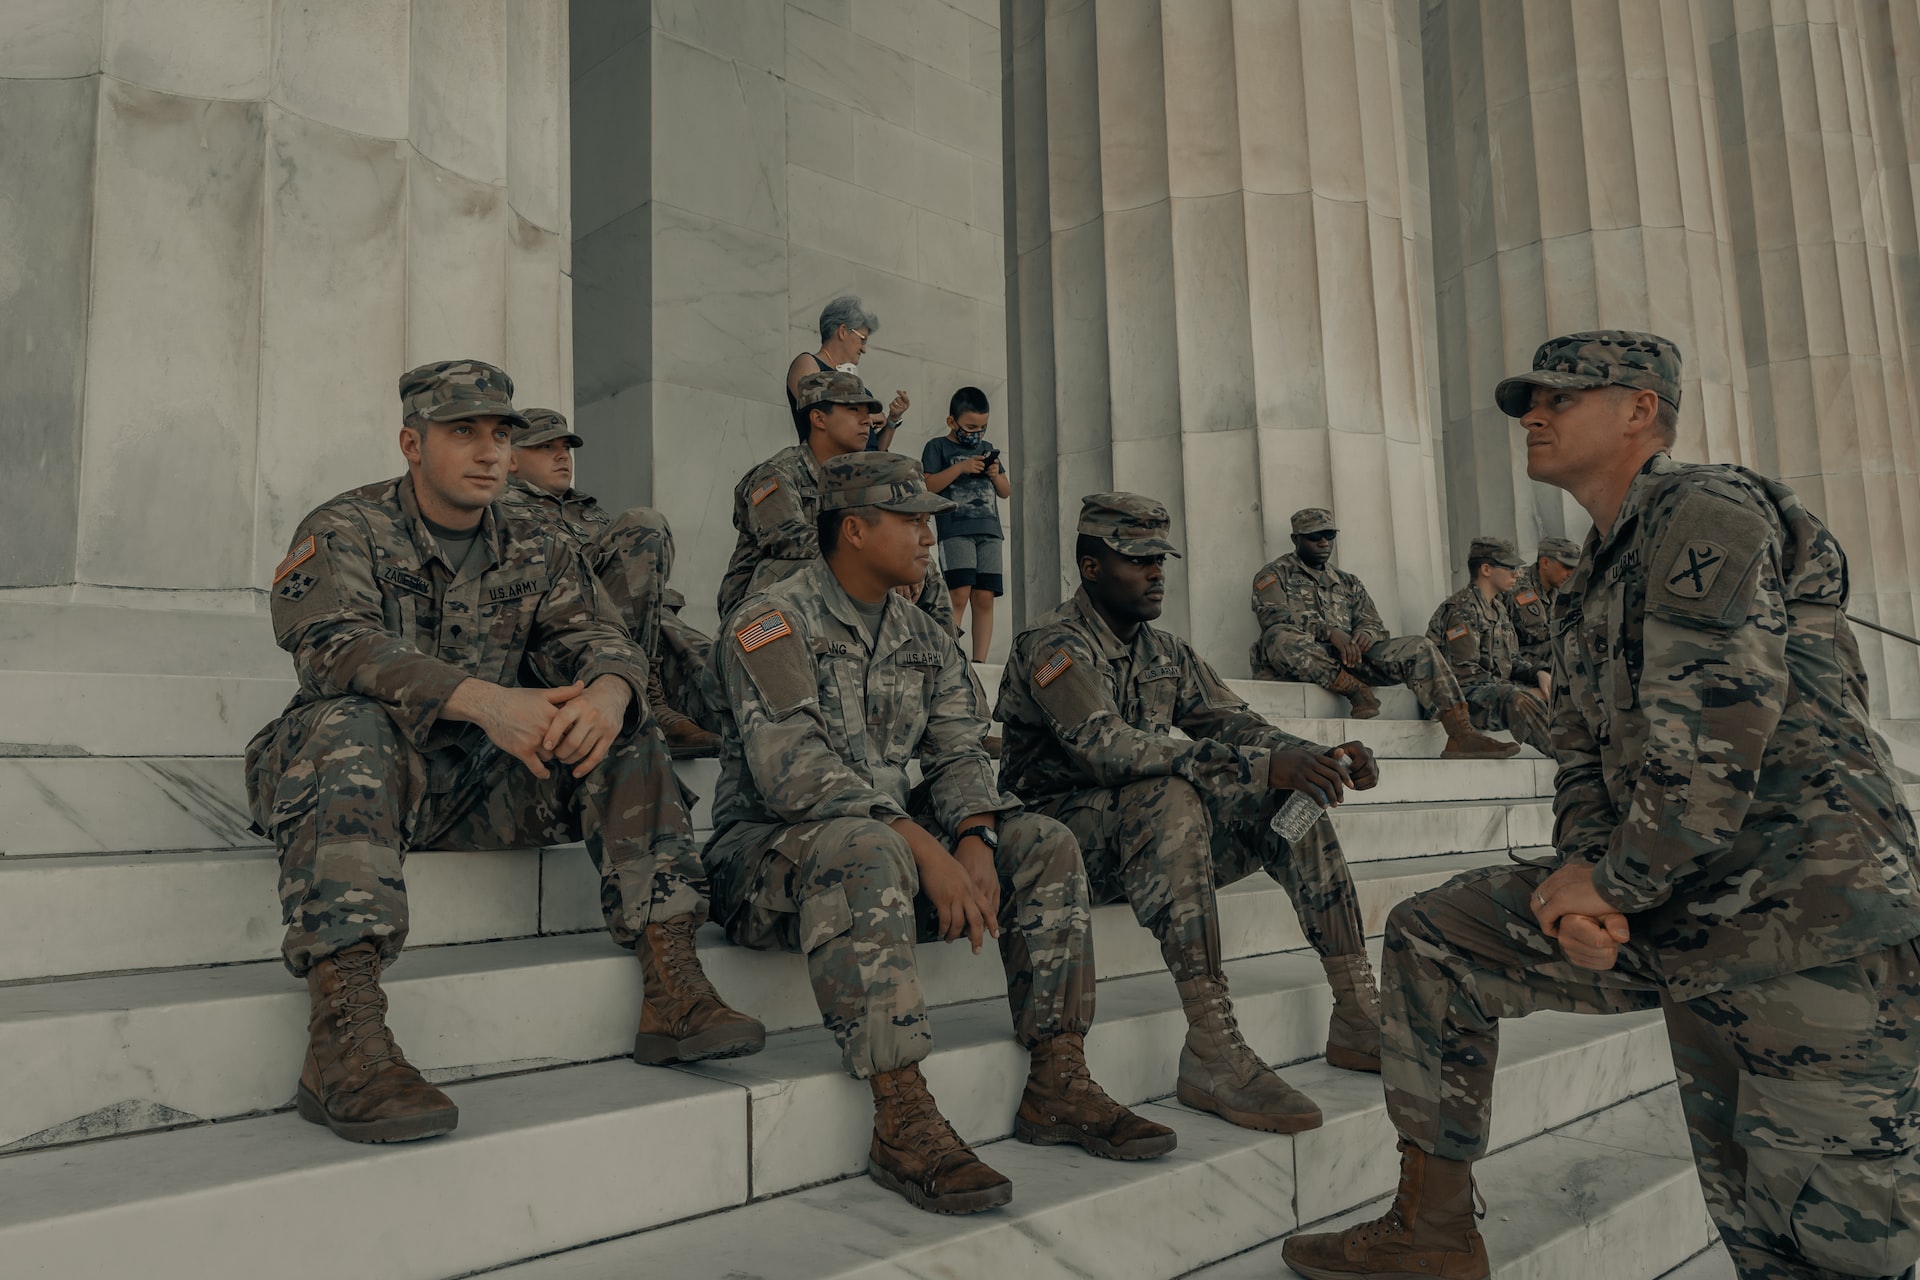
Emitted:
<point x="1128" y="590"/>
<point x="1315" y="549"/>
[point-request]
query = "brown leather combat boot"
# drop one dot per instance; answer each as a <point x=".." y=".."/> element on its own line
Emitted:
<point x="1063" y="1104"/>
<point x="1220" y="1074"/>
<point x="686" y="740"/>
<point x="1353" y="1033"/>
<point x="1427" y="1233"/>
<point x="1363" y="704"/>
<point x="354" y="1079"/>
<point x="682" y="1018"/>
<point x="916" y="1153"/>
<point x="1464" y="742"/>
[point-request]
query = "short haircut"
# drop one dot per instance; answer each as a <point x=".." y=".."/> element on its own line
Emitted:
<point x="1668" y="421"/>
<point x="803" y="423"/>
<point x="1086" y="545"/>
<point x="827" y="525"/>
<point x="968" y="400"/>
<point x="846" y="310"/>
<point x="1474" y="563"/>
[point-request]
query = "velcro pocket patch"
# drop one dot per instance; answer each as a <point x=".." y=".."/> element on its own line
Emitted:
<point x="1702" y="567"/>
<point x="1462" y="644"/>
<point x="824" y="917"/>
<point x="1264" y="581"/>
<point x="780" y="667"/>
<point x="1066" y="690"/>
<point x="764" y="491"/>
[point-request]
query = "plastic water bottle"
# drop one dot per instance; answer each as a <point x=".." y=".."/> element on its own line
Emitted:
<point x="1296" y="817"/>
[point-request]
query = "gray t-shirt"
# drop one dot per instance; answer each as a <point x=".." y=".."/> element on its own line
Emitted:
<point x="870" y="615"/>
<point x="978" y="512"/>
<point x="455" y="544"/>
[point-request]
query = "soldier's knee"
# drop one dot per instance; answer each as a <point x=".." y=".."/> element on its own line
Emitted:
<point x="1046" y="846"/>
<point x="868" y="853"/>
<point x="355" y="721"/>
<point x="1405" y="920"/>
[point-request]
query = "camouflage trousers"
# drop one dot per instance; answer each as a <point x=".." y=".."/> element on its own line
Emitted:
<point x="1284" y="653"/>
<point x="1502" y="704"/>
<point x="345" y="797"/>
<point x="846" y="893"/>
<point x="633" y="558"/>
<point x="1163" y="846"/>
<point x="1799" y="1091"/>
<point x="683" y="657"/>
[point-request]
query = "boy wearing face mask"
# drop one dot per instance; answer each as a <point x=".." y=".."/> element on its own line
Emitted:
<point x="965" y="466"/>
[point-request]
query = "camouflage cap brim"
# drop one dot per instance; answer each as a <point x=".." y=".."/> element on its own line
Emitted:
<point x="1515" y="395"/>
<point x="1142" y="547"/>
<point x="859" y="402"/>
<point x="532" y="438"/>
<point x="456" y="410"/>
<point x="887" y="497"/>
<point x="1318" y="526"/>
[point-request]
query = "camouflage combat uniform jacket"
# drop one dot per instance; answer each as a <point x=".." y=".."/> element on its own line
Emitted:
<point x="1745" y="815"/>
<point x="775" y="508"/>
<point x="1529" y="607"/>
<point x="1081" y="710"/>
<point x="366" y="605"/>
<point x="824" y="727"/>
<point x="1478" y="639"/>
<point x="578" y="513"/>
<point x="1288" y="594"/>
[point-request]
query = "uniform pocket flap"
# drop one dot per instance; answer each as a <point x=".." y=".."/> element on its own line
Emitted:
<point x="824" y="917"/>
<point x="1863" y="1116"/>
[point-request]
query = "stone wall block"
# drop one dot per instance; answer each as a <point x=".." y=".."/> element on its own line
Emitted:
<point x="918" y="170"/>
<point x="456" y="266"/>
<point x="1336" y="149"/>
<point x="332" y="323"/>
<point x="956" y="111"/>
<point x="344" y="63"/>
<point x="820" y="134"/>
<point x="457" y="112"/>
<point x="177" y="250"/>
<point x="1202" y="142"/>
<point x="50" y="39"/>
<point x="957" y="257"/>
<point x="1142" y="336"/>
<point x="1347" y="324"/>
<point x="1210" y="318"/>
<point x="752" y="32"/>
<point x="723" y="287"/>
<point x="850" y="222"/>
<point x="1129" y="136"/>
<point x="534" y="354"/>
<point x="612" y="312"/>
<point x="536" y="110"/>
<point x="46" y="228"/>
<point x="201" y="48"/>
<point x="929" y="31"/>
<point x="1071" y="156"/>
<point x="1219" y="521"/>
<point x="611" y="119"/>
<point x="1271" y="90"/>
<point x="729" y="158"/>
<point x="836" y="63"/>
<point x="1081" y="356"/>
<point x="1284" y="320"/>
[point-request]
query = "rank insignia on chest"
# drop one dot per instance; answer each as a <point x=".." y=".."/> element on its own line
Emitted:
<point x="1694" y="569"/>
<point x="1264" y="581"/>
<point x="296" y="557"/>
<point x="1053" y="668"/>
<point x="1457" y="632"/>
<point x="1525" y="597"/>
<point x="763" y="630"/>
<point x="765" y="491"/>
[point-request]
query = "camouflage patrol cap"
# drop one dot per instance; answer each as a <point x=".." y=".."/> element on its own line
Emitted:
<point x="1131" y="523"/>
<point x="1601" y="358"/>
<point x="449" y="390"/>
<point x="544" y="426"/>
<point x="832" y="386"/>
<point x="889" y="481"/>
<point x="1565" y="550"/>
<point x="1313" y="520"/>
<point x="1497" y="550"/>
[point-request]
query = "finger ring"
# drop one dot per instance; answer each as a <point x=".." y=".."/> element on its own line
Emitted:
<point x="1540" y="898"/>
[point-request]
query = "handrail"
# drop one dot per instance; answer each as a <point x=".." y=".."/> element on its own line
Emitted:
<point x="1885" y="631"/>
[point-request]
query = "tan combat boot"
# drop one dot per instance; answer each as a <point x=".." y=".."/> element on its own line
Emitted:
<point x="1428" y="1232"/>
<point x="1464" y="742"/>
<point x="1219" y="1073"/>
<point x="354" y="1079"/>
<point x="682" y="1018"/>
<point x="1363" y="704"/>
<point x="916" y="1153"/>
<point x="1063" y="1104"/>
<point x="686" y="740"/>
<point x="1353" y="1033"/>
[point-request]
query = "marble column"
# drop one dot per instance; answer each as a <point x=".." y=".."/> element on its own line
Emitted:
<point x="241" y="220"/>
<point x="1220" y="292"/>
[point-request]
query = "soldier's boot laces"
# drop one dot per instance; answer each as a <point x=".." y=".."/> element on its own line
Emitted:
<point x="1220" y="1074"/>
<point x="1464" y="742"/>
<point x="917" y="1154"/>
<point x="686" y="740"/>
<point x="355" y="1080"/>
<point x="1062" y="1104"/>
<point x="1363" y="703"/>
<point x="1428" y="1231"/>
<point x="1353" y="1033"/>
<point x="682" y="1018"/>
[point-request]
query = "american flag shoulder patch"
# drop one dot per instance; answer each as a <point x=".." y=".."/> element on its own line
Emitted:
<point x="763" y="630"/>
<point x="1053" y="668"/>
<point x="1525" y="597"/>
<point x="1264" y="581"/>
<point x="1456" y="631"/>
<point x="764" y="492"/>
<point x="300" y="553"/>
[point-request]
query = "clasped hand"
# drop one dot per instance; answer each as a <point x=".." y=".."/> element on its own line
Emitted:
<point x="576" y="725"/>
<point x="1572" y="912"/>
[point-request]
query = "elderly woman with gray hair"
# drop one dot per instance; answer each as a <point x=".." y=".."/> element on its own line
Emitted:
<point x="845" y="326"/>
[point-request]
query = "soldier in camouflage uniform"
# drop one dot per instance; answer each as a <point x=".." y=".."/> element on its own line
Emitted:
<point x="833" y="685"/>
<point x="632" y="554"/>
<point x="1732" y="850"/>
<point x="775" y="504"/>
<point x="1088" y="700"/>
<point x="1472" y="629"/>
<point x="1319" y="624"/>
<point x="412" y="608"/>
<point x="1530" y="604"/>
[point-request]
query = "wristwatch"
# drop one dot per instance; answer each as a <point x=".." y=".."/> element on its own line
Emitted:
<point x="988" y="836"/>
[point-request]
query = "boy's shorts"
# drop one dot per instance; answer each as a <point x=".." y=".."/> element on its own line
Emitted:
<point x="974" y="560"/>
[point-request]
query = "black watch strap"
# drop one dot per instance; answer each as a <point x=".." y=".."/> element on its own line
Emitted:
<point x="988" y="836"/>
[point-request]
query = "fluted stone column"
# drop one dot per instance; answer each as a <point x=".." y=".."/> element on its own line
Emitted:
<point x="241" y="221"/>
<point x="1220" y="292"/>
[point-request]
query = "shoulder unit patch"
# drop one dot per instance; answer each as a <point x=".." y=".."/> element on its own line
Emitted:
<point x="301" y="552"/>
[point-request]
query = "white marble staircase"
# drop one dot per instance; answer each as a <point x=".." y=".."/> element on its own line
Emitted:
<point x="151" y="1039"/>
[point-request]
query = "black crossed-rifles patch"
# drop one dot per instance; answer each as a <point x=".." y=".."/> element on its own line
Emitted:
<point x="1692" y="572"/>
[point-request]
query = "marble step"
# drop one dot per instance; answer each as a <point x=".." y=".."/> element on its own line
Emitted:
<point x="1223" y="1191"/>
<point x="1610" y="1196"/>
<point x="1713" y="1264"/>
<point x="132" y="1051"/>
<point x="95" y="804"/>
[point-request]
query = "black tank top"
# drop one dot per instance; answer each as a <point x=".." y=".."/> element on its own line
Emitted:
<point x="793" y="405"/>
